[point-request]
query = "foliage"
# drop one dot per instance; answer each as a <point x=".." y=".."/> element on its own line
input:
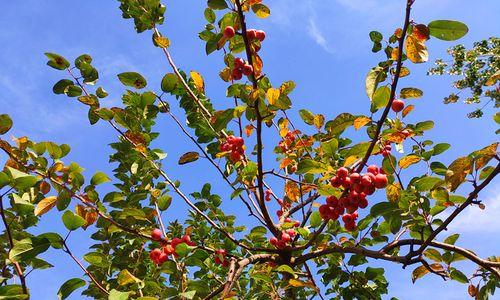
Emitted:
<point x="328" y="227"/>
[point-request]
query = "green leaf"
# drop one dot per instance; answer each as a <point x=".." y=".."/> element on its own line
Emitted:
<point x="101" y="93"/>
<point x="285" y="269"/>
<point x="433" y="254"/>
<point x="376" y="36"/>
<point x="12" y="292"/>
<point x="117" y="295"/>
<point x="182" y="249"/>
<point x="447" y="30"/>
<point x="69" y="287"/>
<point x="310" y="166"/>
<point x="5" y="123"/>
<point x="132" y="79"/>
<point x="217" y="4"/>
<point x="169" y="82"/>
<point x="56" y="61"/>
<point x="61" y="86"/>
<point x="306" y="116"/>
<point x="28" y="248"/>
<point x="164" y="202"/>
<point x="72" y="221"/>
<point x="381" y="97"/>
<point x="452" y="239"/>
<point x="330" y="147"/>
<point x="188" y="295"/>
<point x="99" y="178"/>
<point x="22" y="180"/>
<point x="383" y="208"/>
<point x="458" y="276"/>
<point x="427" y="183"/>
<point x="96" y="259"/>
<point x="373" y="78"/>
<point x="440" y="148"/>
<point x="315" y="219"/>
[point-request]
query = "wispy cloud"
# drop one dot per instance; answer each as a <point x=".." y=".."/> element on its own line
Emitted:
<point x="474" y="219"/>
<point x="316" y="34"/>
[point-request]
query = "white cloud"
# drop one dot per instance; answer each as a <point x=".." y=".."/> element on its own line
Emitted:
<point x="316" y="34"/>
<point x="473" y="219"/>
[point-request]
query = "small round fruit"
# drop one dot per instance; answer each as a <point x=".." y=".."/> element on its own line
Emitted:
<point x="398" y="105"/>
<point x="373" y="169"/>
<point x="251" y="34"/>
<point x="285" y="237"/>
<point x="260" y="35"/>
<point x="247" y="70"/>
<point x="273" y="241"/>
<point x="342" y="172"/>
<point x="155" y="254"/>
<point x="239" y="62"/>
<point x="380" y="181"/>
<point x="237" y="74"/>
<point x="229" y="32"/>
<point x="156" y="234"/>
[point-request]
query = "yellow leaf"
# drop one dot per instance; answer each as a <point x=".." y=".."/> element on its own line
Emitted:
<point x="225" y="74"/>
<point x="457" y="171"/>
<point x="408" y="109"/>
<point x="257" y="65"/>
<point x="261" y="10"/>
<point x="298" y="283"/>
<point x="418" y="273"/>
<point x="319" y="120"/>
<point x="416" y="51"/>
<point x="45" y="205"/>
<point x="292" y="191"/>
<point x="395" y="53"/>
<point x="125" y="277"/>
<point x="198" y="81"/>
<point x="393" y="192"/>
<point x="493" y="79"/>
<point x="351" y="160"/>
<point x="484" y="155"/>
<point x="286" y="162"/>
<point x="361" y="121"/>
<point x="162" y="41"/>
<point x="410" y="93"/>
<point x="272" y="95"/>
<point x="249" y="130"/>
<point x="408" y="160"/>
<point x="404" y="72"/>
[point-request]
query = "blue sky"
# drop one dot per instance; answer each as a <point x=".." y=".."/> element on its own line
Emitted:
<point x="322" y="45"/>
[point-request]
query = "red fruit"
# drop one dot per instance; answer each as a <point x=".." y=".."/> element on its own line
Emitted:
<point x="279" y="213"/>
<point x="285" y="237"/>
<point x="388" y="148"/>
<point x="366" y="181"/>
<point x="346" y="183"/>
<point x="156" y="234"/>
<point x="175" y="242"/>
<point x="247" y="70"/>
<point x="381" y="181"/>
<point x="363" y="203"/>
<point x="398" y="105"/>
<point x="291" y="232"/>
<point x="354" y="215"/>
<point x="332" y="200"/>
<point x="280" y="244"/>
<point x="347" y="218"/>
<point x="335" y="182"/>
<point x="239" y="62"/>
<point x="406" y="133"/>
<point x="373" y="169"/>
<point x="229" y="32"/>
<point x="273" y="241"/>
<point x="155" y="254"/>
<point x="168" y="249"/>
<point x="351" y="226"/>
<point x="342" y="172"/>
<point x="237" y="74"/>
<point x="355" y="177"/>
<point x="260" y="35"/>
<point x="163" y="258"/>
<point x="369" y="190"/>
<point x="358" y="187"/>
<point x="251" y="34"/>
<point x="297" y="224"/>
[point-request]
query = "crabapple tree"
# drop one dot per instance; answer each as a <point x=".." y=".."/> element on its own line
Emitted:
<point x="344" y="190"/>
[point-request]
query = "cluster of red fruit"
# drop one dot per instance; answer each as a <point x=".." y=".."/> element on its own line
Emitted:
<point x="356" y="188"/>
<point x="220" y="258"/>
<point x="252" y="34"/>
<point x="159" y="256"/>
<point x="386" y="150"/>
<point x="285" y="239"/>
<point x="241" y="68"/>
<point x="236" y="147"/>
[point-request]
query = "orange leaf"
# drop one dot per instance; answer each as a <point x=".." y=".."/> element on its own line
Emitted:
<point x="361" y="121"/>
<point x="408" y="109"/>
